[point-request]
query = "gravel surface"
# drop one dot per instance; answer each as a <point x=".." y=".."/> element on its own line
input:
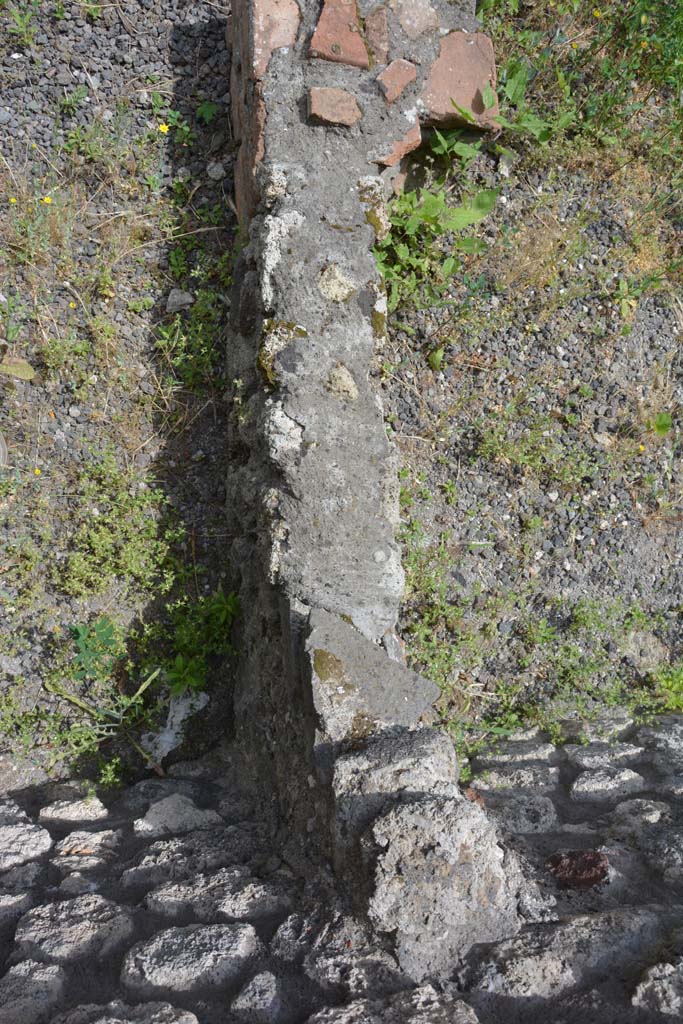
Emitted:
<point x="115" y="175"/>
<point x="542" y="461"/>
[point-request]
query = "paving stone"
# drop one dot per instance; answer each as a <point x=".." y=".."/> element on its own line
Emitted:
<point x="606" y="784"/>
<point x="205" y="850"/>
<point x="661" y="989"/>
<point x="262" y="1001"/>
<point x="415" y="16"/>
<point x="601" y="724"/>
<point x="338" y="37"/>
<point x="29" y="993"/>
<point x="420" y="1006"/>
<point x="464" y="68"/>
<point x="119" y="1013"/>
<point x="634" y="816"/>
<point x="602" y="755"/>
<point x="395" y="78"/>
<point x="524" y="815"/>
<point x="442" y="883"/>
<point x="536" y="777"/>
<point x="672" y="786"/>
<point x="173" y="815"/>
<point x="20" y="840"/>
<point x="18" y="892"/>
<point x="86" y="851"/>
<point x="333" y="106"/>
<point x="71" y="929"/>
<point x="390" y="155"/>
<point x="377" y="35"/>
<point x="91" y="809"/>
<point x="552" y="959"/>
<point x="77" y="884"/>
<point x="664" y="851"/>
<point x="665" y="740"/>
<point x="515" y="752"/>
<point x="228" y="894"/>
<point x="186" y="960"/>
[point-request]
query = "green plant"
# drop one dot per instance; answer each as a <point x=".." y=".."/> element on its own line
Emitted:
<point x="206" y="111"/>
<point x="22" y="21"/>
<point x="69" y="103"/>
<point x="419" y="257"/>
<point x="124" y="533"/>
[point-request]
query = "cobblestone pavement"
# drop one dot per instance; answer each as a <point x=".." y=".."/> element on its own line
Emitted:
<point x="172" y="903"/>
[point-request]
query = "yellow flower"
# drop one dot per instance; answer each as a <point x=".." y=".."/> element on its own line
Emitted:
<point x="575" y="46"/>
<point x="36" y="471"/>
<point x="47" y="200"/>
<point x="641" y="447"/>
<point x="72" y="305"/>
<point x="13" y="199"/>
<point x="643" y="44"/>
<point x="164" y="129"/>
<point x="597" y="13"/>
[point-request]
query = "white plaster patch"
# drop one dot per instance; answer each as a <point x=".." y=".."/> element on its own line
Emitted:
<point x="275" y="230"/>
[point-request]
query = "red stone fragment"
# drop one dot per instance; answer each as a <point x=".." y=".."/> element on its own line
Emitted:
<point x="333" y="106"/>
<point x="474" y="796"/>
<point x="338" y="35"/>
<point x="410" y="141"/>
<point x="579" y="869"/>
<point x="464" y="68"/>
<point x="377" y="35"/>
<point x="395" y="78"/>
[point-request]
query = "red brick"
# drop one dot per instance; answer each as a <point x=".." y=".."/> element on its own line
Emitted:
<point x="464" y="67"/>
<point x="338" y="35"/>
<point x="377" y="35"/>
<point x="333" y="106"/>
<point x="395" y="78"/>
<point x="410" y="141"/>
<point x="276" y="24"/>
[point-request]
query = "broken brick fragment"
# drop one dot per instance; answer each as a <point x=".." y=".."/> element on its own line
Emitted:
<point x="395" y="78"/>
<point x="416" y="17"/>
<point x="410" y="141"/>
<point x="459" y="76"/>
<point x="377" y="35"/>
<point x="338" y="35"/>
<point x="579" y="869"/>
<point x="276" y="24"/>
<point x="333" y="106"/>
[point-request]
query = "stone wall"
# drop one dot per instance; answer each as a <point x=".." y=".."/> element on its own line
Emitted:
<point x="327" y="100"/>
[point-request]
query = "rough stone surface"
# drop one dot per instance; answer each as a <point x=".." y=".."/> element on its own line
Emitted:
<point x="387" y="768"/>
<point x="661" y="989"/>
<point x="186" y="960"/>
<point x="70" y="930"/>
<point x="355" y="686"/>
<point x="175" y="814"/>
<point x="415" y="16"/>
<point x="602" y="755"/>
<point x="422" y="1006"/>
<point x="91" y="809"/>
<point x="21" y="841"/>
<point x="86" y="851"/>
<point x="442" y="883"/>
<point x="338" y="35"/>
<point x="262" y="1000"/>
<point x="333" y="106"/>
<point x="395" y="78"/>
<point x="120" y="1013"/>
<point x="606" y="784"/>
<point x="555" y="958"/>
<point x="529" y="776"/>
<point x="229" y="894"/>
<point x="29" y="993"/>
<point x="525" y="814"/>
<point x="464" y="68"/>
